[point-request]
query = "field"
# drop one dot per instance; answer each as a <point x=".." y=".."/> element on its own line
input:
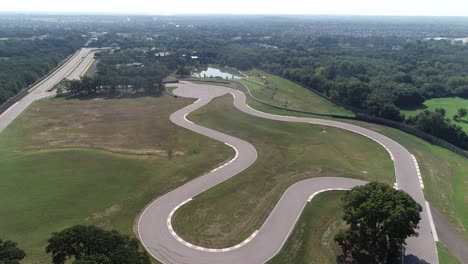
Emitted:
<point x="311" y="241"/>
<point x="282" y="92"/>
<point x="445" y="257"/>
<point x="451" y="105"/>
<point x="443" y="172"/>
<point x="67" y="162"/>
<point x="287" y="152"/>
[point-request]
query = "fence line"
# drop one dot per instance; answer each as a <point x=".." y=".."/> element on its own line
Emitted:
<point x="370" y="119"/>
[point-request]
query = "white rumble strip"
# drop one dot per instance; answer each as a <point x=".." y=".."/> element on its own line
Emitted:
<point x="419" y="172"/>
<point x="214" y="250"/>
<point x="324" y="190"/>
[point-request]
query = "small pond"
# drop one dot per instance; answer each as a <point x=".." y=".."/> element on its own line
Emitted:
<point x="212" y="72"/>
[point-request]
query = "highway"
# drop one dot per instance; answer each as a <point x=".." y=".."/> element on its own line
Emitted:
<point x="155" y="223"/>
<point x="71" y="69"/>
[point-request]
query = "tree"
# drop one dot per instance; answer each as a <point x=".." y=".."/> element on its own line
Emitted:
<point x="407" y="95"/>
<point x="462" y="112"/>
<point x="352" y="92"/>
<point x="10" y="253"/>
<point x="183" y="72"/>
<point x="437" y="125"/>
<point x="441" y="111"/>
<point x="378" y="106"/>
<point x="92" y="245"/>
<point x="380" y="218"/>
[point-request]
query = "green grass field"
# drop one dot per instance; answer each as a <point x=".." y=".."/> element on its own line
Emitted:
<point x="443" y="172"/>
<point x="312" y="239"/>
<point x="282" y="92"/>
<point x="287" y="152"/>
<point x="451" y="105"/>
<point x="68" y="162"/>
<point x="445" y="257"/>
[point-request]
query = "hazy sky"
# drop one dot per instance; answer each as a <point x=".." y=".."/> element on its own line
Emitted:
<point x="353" y="7"/>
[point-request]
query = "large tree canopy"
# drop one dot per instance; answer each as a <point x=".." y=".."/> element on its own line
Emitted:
<point x="10" y="253"/>
<point x="91" y="245"/>
<point x="380" y="218"/>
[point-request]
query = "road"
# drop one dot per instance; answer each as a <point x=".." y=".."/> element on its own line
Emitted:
<point x="70" y="69"/>
<point x="155" y="226"/>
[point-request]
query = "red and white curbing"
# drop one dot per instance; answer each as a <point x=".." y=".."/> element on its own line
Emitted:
<point x="229" y="162"/>
<point x="419" y="172"/>
<point x="185" y="243"/>
<point x="214" y="250"/>
<point x="324" y="190"/>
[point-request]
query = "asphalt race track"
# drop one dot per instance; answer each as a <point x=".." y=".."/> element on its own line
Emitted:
<point x="155" y="228"/>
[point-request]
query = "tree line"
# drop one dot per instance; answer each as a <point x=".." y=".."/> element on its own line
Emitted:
<point x="83" y="245"/>
<point x="379" y="67"/>
<point x="378" y="217"/>
<point x="24" y="60"/>
<point x="119" y="72"/>
<point x="377" y="75"/>
<point x="101" y="85"/>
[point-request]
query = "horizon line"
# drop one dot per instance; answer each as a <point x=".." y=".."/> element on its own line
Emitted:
<point x="219" y="14"/>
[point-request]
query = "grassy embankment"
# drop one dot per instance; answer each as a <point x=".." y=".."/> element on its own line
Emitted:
<point x="443" y="172"/>
<point x="68" y="162"/>
<point x="312" y="238"/>
<point x="284" y="93"/>
<point x="445" y="257"/>
<point x="287" y="152"/>
<point x="451" y="105"/>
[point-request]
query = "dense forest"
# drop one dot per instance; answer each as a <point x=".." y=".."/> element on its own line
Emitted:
<point x="375" y="65"/>
<point x="26" y="57"/>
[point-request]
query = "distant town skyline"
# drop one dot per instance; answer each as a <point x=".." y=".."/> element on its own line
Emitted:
<point x="313" y="7"/>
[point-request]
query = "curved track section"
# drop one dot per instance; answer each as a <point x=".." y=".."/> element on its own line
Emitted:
<point x="155" y="229"/>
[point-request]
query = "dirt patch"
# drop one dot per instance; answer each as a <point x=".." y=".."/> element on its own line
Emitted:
<point x="107" y="212"/>
<point x="137" y="126"/>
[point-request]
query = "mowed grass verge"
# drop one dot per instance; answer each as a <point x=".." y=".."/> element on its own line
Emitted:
<point x="444" y="172"/>
<point x="312" y="239"/>
<point x="445" y="257"/>
<point x="68" y="162"/>
<point x="287" y="153"/>
<point x="281" y="92"/>
<point x="450" y="104"/>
